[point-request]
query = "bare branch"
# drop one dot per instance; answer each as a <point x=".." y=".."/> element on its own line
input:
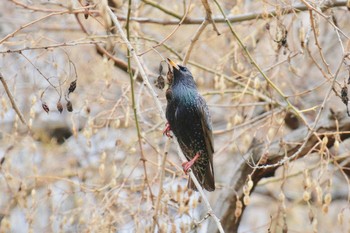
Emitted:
<point x="236" y="18"/>
<point x="12" y="100"/>
<point x="276" y="152"/>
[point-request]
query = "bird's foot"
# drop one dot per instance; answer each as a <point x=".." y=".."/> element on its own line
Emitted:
<point x="187" y="165"/>
<point x="167" y="129"/>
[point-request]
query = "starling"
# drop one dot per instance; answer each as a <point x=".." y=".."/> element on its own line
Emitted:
<point x="189" y="119"/>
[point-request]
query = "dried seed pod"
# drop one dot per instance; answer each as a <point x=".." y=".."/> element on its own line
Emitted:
<point x="45" y="107"/>
<point x="160" y="83"/>
<point x="340" y="215"/>
<point x="250" y="183"/>
<point x="302" y="36"/>
<point x="160" y="68"/>
<point x="311" y="215"/>
<point x="2" y="160"/>
<point x="238" y="210"/>
<point x="281" y="35"/>
<point x="284" y="41"/>
<point x="72" y="86"/>
<point x="86" y="11"/>
<point x="325" y="208"/>
<point x="169" y="76"/>
<point x="336" y="145"/>
<point x="246" y="200"/>
<point x="291" y="120"/>
<point x="285" y="228"/>
<point x="59" y="106"/>
<point x="281" y="197"/>
<point x="323" y="145"/>
<point x="327" y="198"/>
<point x="306" y="196"/>
<point x="69" y="106"/>
<point x="344" y="95"/>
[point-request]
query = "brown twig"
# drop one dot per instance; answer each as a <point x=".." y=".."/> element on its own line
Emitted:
<point x="236" y="18"/>
<point x="170" y="35"/>
<point x="12" y="100"/>
<point x="160" y="192"/>
<point x="194" y="40"/>
<point x="209" y="16"/>
<point x="161" y="8"/>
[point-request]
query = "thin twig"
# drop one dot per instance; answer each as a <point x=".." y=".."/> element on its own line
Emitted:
<point x="172" y="33"/>
<point x="161" y="8"/>
<point x="160" y="192"/>
<point x="59" y="45"/>
<point x="314" y="29"/>
<point x="194" y="40"/>
<point x="12" y="100"/>
<point x="209" y="16"/>
<point x="199" y="31"/>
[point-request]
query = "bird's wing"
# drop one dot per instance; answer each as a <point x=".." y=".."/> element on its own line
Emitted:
<point x="203" y="111"/>
<point x="204" y="115"/>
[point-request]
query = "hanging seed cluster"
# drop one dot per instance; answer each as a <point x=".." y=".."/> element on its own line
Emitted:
<point x="246" y="190"/>
<point x="59" y="105"/>
<point x="160" y="82"/>
<point x="280" y="35"/>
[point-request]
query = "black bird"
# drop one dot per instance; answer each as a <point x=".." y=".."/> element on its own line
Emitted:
<point x="189" y="119"/>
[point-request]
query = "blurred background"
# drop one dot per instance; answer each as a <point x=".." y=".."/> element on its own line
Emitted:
<point x="89" y="154"/>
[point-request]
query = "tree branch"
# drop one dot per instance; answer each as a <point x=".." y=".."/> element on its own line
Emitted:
<point x="12" y="100"/>
<point x="237" y="18"/>
<point x="276" y="151"/>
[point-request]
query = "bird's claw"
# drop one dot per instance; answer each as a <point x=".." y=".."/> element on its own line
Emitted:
<point x="187" y="165"/>
<point x="166" y="131"/>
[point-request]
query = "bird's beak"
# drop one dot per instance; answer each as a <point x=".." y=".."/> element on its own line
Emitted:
<point x="173" y="64"/>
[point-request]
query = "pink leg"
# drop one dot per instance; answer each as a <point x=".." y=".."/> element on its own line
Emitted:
<point x="167" y="129"/>
<point x="188" y="165"/>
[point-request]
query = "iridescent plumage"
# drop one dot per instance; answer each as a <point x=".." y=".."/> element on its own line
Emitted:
<point x="189" y="119"/>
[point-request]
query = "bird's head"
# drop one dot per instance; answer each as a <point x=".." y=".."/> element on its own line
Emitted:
<point x="181" y="73"/>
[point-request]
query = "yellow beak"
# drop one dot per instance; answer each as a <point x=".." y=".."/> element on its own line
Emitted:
<point x="173" y="64"/>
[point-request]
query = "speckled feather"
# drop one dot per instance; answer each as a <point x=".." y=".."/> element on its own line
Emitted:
<point x="189" y="119"/>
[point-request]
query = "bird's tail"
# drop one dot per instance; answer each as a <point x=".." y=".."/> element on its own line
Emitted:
<point x="205" y="180"/>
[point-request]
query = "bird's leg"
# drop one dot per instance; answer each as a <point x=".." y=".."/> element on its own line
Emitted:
<point x="167" y="129"/>
<point x="188" y="165"/>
